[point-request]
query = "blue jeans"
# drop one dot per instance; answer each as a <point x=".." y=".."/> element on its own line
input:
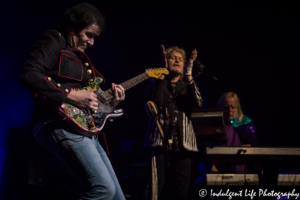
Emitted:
<point x="85" y="159"/>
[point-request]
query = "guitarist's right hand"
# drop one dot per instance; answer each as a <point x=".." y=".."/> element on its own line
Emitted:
<point x="83" y="99"/>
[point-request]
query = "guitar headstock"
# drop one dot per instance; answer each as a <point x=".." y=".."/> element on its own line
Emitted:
<point x="156" y="72"/>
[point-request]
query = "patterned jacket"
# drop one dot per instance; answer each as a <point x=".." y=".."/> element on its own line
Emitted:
<point x="185" y="102"/>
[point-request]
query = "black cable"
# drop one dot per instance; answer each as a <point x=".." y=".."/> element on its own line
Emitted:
<point x="245" y="167"/>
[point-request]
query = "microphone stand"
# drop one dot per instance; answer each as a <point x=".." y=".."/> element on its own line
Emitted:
<point x="163" y="110"/>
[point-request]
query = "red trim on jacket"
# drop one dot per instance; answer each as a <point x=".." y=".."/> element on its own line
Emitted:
<point x="67" y="76"/>
<point x="71" y="58"/>
<point x="54" y="86"/>
<point x="61" y="51"/>
<point x="96" y="73"/>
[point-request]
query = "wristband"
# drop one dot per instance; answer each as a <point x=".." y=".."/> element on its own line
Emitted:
<point x="189" y="68"/>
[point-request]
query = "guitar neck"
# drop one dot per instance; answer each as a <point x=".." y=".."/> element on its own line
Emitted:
<point x="108" y="94"/>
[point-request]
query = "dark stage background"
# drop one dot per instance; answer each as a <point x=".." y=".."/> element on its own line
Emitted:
<point x="250" y="46"/>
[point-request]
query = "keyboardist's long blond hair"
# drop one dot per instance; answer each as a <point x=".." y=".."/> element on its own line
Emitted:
<point x="233" y="95"/>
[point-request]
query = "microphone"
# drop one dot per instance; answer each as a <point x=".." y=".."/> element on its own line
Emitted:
<point x="198" y="64"/>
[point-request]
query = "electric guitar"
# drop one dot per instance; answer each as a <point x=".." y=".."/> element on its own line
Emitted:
<point x="85" y="121"/>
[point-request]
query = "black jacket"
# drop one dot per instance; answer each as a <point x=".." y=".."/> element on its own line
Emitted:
<point x="52" y="70"/>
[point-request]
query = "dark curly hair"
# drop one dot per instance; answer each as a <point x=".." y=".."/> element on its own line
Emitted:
<point x="79" y="17"/>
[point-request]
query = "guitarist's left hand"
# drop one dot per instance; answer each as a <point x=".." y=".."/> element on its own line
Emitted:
<point x="119" y="94"/>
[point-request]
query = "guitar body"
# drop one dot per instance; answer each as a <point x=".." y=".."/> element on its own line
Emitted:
<point x="85" y="121"/>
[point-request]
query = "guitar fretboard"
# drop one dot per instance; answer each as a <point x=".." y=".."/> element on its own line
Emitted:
<point x="108" y="94"/>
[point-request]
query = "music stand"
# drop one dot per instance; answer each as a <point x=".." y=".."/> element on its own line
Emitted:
<point x="209" y="127"/>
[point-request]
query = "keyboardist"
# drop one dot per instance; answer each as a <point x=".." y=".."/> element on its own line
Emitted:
<point x="240" y="131"/>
